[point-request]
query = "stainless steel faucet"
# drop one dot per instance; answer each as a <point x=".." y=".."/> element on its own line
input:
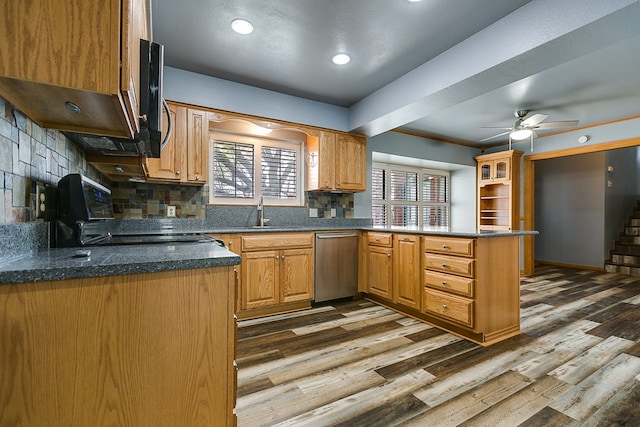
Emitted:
<point x="261" y="211"/>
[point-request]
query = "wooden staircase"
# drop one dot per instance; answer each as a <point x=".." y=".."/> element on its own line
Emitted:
<point x="625" y="257"/>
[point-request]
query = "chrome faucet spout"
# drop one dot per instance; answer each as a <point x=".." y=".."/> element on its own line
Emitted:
<point x="261" y="211"/>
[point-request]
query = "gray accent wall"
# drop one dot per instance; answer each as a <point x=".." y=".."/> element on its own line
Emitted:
<point x="623" y="193"/>
<point x="578" y="213"/>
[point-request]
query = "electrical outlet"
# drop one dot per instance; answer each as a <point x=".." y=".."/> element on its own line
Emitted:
<point x="41" y="201"/>
<point x="171" y="211"/>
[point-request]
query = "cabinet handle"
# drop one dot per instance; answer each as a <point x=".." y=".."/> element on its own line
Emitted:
<point x="444" y="306"/>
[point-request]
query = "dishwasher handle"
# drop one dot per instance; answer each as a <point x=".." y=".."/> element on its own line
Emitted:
<point x="335" y="235"/>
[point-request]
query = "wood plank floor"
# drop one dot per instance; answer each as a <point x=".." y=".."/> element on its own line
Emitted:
<point x="354" y="363"/>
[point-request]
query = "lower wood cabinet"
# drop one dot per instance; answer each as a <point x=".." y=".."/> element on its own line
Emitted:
<point x="407" y="271"/>
<point x="380" y="264"/>
<point x="277" y="272"/>
<point x="148" y="349"/>
<point x="467" y="286"/>
<point x="472" y="286"/>
<point x="393" y="268"/>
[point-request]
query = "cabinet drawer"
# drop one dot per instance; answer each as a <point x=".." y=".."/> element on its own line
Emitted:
<point x="256" y="242"/>
<point x="380" y="239"/>
<point x="449" y="283"/>
<point x="449" y="264"/>
<point x="451" y="307"/>
<point x="449" y="245"/>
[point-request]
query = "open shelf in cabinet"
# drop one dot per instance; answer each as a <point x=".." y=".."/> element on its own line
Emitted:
<point x="495" y="206"/>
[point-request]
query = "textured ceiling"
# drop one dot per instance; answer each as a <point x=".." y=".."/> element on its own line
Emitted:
<point x="438" y="68"/>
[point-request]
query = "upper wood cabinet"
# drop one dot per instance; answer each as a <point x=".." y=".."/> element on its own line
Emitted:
<point x="351" y="162"/>
<point x="499" y="190"/>
<point x="184" y="158"/>
<point x="47" y="62"/>
<point x="336" y="161"/>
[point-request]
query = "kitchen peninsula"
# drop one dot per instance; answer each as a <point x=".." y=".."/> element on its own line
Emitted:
<point x="140" y="335"/>
<point x="465" y="282"/>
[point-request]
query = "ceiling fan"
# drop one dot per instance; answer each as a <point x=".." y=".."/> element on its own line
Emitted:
<point x="524" y="128"/>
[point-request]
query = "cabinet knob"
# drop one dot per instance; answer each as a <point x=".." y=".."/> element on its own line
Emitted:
<point x="444" y="306"/>
<point x="282" y="257"/>
<point x="277" y="257"/>
<point x="388" y="255"/>
<point x="444" y="265"/>
<point x="444" y="246"/>
<point x="178" y="173"/>
<point x="197" y="177"/>
<point x="230" y="244"/>
<point x="444" y="283"/>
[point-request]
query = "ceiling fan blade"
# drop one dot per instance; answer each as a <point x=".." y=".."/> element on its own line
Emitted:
<point x="553" y="125"/>
<point x="534" y="120"/>
<point x="496" y="127"/>
<point x="495" y="136"/>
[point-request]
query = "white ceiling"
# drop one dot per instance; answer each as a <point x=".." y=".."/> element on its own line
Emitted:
<point x="439" y="68"/>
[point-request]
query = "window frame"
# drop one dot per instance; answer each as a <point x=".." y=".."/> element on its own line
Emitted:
<point x="257" y="142"/>
<point x="388" y="204"/>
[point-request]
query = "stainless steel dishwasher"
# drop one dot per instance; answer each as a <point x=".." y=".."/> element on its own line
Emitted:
<point x="336" y="265"/>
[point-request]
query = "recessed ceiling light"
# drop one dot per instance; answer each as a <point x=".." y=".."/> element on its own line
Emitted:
<point x="242" y="26"/>
<point x="341" y="59"/>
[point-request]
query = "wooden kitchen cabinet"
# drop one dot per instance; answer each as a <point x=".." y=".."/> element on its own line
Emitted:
<point x="47" y="63"/>
<point x="406" y="271"/>
<point x="336" y="161"/>
<point x="472" y="286"/>
<point x="380" y="264"/>
<point x="277" y="273"/>
<point x="351" y="162"/>
<point x="499" y="190"/>
<point x="184" y="158"/>
<point x="147" y="349"/>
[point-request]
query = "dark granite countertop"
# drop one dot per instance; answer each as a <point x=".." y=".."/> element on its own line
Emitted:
<point x="63" y="263"/>
<point x="422" y="231"/>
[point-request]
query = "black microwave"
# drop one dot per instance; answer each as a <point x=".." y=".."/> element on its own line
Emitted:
<point x="149" y="140"/>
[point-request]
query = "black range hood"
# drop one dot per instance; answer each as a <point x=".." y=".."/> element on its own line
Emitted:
<point x="148" y="141"/>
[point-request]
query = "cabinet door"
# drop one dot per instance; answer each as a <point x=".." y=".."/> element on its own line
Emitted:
<point x="197" y="145"/>
<point x="351" y="154"/>
<point x="260" y="279"/>
<point x="134" y="27"/>
<point x="169" y="165"/>
<point x="380" y="271"/>
<point x="233" y="242"/>
<point x="406" y="271"/>
<point x="321" y="161"/>
<point x="492" y="171"/>
<point x="296" y="275"/>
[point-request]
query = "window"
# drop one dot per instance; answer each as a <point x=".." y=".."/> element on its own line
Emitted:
<point x="403" y="196"/>
<point x="245" y="167"/>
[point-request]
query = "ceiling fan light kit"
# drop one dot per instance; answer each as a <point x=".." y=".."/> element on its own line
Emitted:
<point x="525" y="128"/>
